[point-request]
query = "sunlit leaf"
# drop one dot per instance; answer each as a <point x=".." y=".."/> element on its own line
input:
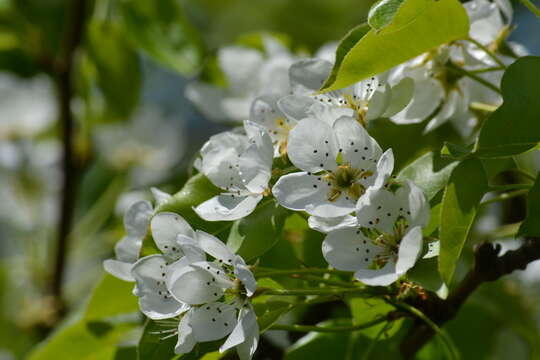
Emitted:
<point x="531" y="224"/>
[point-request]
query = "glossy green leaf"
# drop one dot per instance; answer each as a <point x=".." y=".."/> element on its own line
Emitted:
<point x="382" y="13"/>
<point x="161" y="29"/>
<point x="514" y="127"/>
<point x="118" y="68"/>
<point x="197" y="190"/>
<point x="100" y="306"/>
<point x="531" y="224"/>
<point x="365" y="310"/>
<point x="430" y="172"/>
<point x="461" y="199"/>
<point x="418" y="27"/>
<point x="258" y="232"/>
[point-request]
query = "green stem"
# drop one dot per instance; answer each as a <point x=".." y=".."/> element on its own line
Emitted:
<point x="475" y="77"/>
<point x="529" y="5"/>
<point x="447" y="341"/>
<point x="488" y="52"/>
<point x="483" y="107"/>
<point x="486" y="70"/>
<point x="308" y="291"/>
<point x="510" y="187"/>
<point x="324" y="329"/>
<point x="526" y="174"/>
<point x="505" y="196"/>
<point x="322" y="280"/>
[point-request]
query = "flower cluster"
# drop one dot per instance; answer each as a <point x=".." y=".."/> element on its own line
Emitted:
<point x="311" y="153"/>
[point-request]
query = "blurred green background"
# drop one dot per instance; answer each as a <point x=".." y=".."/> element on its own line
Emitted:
<point x="134" y="128"/>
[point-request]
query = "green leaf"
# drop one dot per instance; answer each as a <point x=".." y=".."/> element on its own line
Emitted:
<point x="162" y="30"/>
<point x="430" y="172"/>
<point x="418" y="27"/>
<point x="196" y="190"/>
<point x="152" y="347"/>
<point x="95" y="333"/>
<point x="255" y="234"/>
<point x="461" y="198"/>
<point x="365" y="310"/>
<point x="382" y="13"/>
<point x="514" y="128"/>
<point x="268" y="314"/>
<point x="118" y="68"/>
<point x="531" y="224"/>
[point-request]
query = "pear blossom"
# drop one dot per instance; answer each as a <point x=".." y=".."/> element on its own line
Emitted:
<point x="176" y="240"/>
<point x="240" y="164"/>
<point x="366" y="100"/>
<point x="339" y="163"/>
<point x="387" y="240"/>
<point x="203" y="284"/>
<point x="136" y="221"/>
<point x="248" y="73"/>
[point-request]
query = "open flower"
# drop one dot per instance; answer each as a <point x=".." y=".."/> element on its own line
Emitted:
<point x="203" y="284"/>
<point x="249" y="73"/>
<point x="339" y="163"/>
<point x="136" y="221"/>
<point x="175" y="238"/>
<point x="241" y="166"/>
<point x="388" y="238"/>
<point x="365" y="101"/>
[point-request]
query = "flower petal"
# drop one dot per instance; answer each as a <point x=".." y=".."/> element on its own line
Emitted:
<point x="191" y="248"/>
<point x="213" y="321"/>
<point x="300" y="191"/>
<point x="215" y="248"/>
<point x="245" y="335"/>
<point x="402" y="94"/>
<point x="348" y="249"/>
<point x="427" y="95"/>
<point x="312" y="146"/>
<point x="327" y="224"/>
<point x="378" y="209"/>
<point x="155" y="301"/>
<point x="161" y="197"/>
<point x="295" y="107"/>
<point x="128" y="249"/>
<point x="358" y="148"/>
<point x="186" y="339"/>
<point x="244" y="274"/>
<point x="207" y="98"/>
<point x="385" y="166"/>
<point x="380" y="277"/>
<point x="433" y="250"/>
<point x="137" y="218"/>
<point x="409" y="250"/>
<point x="166" y="226"/>
<point x="308" y="75"/>
<point x="414" y="203"/>
<point x="227" y="207"/>
<point x="119" y="269"/>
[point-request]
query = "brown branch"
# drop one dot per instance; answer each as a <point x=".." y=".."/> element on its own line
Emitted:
<point x="62" y="72"/>
<point x="488" y="266"/>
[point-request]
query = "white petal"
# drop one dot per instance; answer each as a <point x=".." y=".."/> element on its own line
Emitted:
<point x="128" y="248"/>
<point x="244" y="274"/>
<point x="433" y="250"/>
<point x="312" y="146"/>
<point x="198" y="283"/>
<point x="215" y="248"/>
<point x="227" y="207"/>
<point x="256" y="162"/>
<point x="119" y="269"/>
<point x="402" y="94"/>
<point x="385" y="166"/>
<point x="427" y="96"/>
<point x="445" y="113"/>
<point x="213" y="321"/>
<point x="308" y="75"/>
<point x="358" y="148"/>
<point x="325" y="225"/>
<point x="161" y="196"/>
<point x="300" y="191"/>
<point x="155" y="301"/>
<point x="378" y="103"/>
<point x="245" y="335"/>
<point x="191" y="248"/>
<point x="295" y="107"/>
<point x="240" y="66"/>
<point x="166" y="226"/>
<point x="414" y="203"/>
<point x="137" y="217"/>
<point x="207" y="98"/>
<point x="237" y="108"/>
<point x="328" y="113"/>
<point x="186" y="339"/>
<point x="409" y="250"/>
<point x="348" y="249"/>
<point x="381" y="277"/>
<point x="378" y="209"/>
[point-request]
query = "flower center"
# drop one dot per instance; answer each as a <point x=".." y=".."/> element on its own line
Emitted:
<point x="345" y="180"/>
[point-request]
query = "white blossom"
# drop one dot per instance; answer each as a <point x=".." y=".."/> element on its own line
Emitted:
<point x="338" y="164"/>
<point x="387" y="240"/>
<point x="240" y="165"/>
<point x="248" y="73"/>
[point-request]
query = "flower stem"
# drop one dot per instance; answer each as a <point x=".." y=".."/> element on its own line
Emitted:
<point x="529" y="5"/>
<point x="263" y="272"/>
<point x="323" y="280"/>
<point x="488" y="52"/>
<point x="309" y="291"/>
<point x="483" y="107"/>
<point x="473" y="76"/>
<point x="325" y="329"/>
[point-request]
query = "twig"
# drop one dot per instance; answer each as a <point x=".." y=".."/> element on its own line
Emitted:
<point x="313" y="328"/>
<point x="62" y="71"/>
<point x="488" y="266"/>
<point x="529" y="5"/>
<point x="475" y="77"/>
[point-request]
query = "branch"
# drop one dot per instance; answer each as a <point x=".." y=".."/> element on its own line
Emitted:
<point x="488" y="266"/>
<point x="62" y="72"/>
